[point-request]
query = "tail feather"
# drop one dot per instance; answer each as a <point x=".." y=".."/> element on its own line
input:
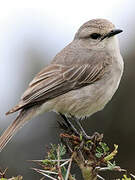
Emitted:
<point x="16" y="108"/>
<point x="21" y="119"/>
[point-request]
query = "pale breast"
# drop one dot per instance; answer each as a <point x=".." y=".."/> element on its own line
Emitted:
<point x="89" y="99"/>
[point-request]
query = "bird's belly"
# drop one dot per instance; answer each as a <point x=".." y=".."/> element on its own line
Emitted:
<point x="84" y="101"/>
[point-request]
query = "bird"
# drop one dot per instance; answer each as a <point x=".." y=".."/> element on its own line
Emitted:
<point x="80" y="80"/>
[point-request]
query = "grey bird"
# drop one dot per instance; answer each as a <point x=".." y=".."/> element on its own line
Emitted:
<point x="80" y="80"/>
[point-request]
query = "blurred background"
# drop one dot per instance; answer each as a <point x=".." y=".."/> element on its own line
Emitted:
<point x="31" y="34"/>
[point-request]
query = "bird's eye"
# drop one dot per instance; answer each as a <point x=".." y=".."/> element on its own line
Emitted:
<point x="95" y="36"/>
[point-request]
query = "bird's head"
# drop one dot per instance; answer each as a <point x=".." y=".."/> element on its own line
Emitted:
<point x="97" y="33"/>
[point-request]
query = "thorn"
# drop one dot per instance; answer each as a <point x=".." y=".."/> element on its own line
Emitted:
<point x="132" y="175"/>
<point x="100" y="177"/>
<point x="43" y="173"/>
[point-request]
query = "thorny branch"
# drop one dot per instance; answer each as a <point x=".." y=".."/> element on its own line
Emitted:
<point x="92" y="156"/>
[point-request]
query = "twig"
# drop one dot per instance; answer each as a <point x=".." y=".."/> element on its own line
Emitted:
<point x="42" y="178"/>
<point x="132" y="175"/>
<point x="65" y="163"/>
<point x="100" y="177"/>
<point x="42" y="172"/>
<point x="61" y="160"/>
<point x="116" y="168"/>
<point x="14" y="178"/>
<point x="2" y="174"/>
<point x="49" y="172"/>
<point x="69" y="167"/>
<point x="59" y="168"/>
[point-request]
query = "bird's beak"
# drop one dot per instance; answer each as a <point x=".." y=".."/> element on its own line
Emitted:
<point x="112" y="33"/>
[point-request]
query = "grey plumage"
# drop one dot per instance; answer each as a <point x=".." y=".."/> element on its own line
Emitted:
<point x="81" y="79"/>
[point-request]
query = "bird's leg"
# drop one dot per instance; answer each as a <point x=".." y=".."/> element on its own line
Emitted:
<point x="85" y="136"/>
<point x="69" y="124"/>
<point x="73" y="129"/>
<point x="95" y="137"/>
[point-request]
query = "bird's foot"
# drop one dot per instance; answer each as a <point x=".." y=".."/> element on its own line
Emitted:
<point x="68" y="126"/>
<point x="96" y="137"/>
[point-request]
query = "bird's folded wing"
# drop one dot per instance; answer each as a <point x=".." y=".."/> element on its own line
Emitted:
<point x="56" y="80"/>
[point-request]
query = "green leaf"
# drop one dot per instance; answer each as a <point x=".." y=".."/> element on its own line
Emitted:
<point x="62" y="150"/>
<point x="125" y="177"/>
<point x="99" y="149"/>
<point x="81" y="137"/>
<point x="112" y="154"/>
<point x="99" y="155"/>
<point x="99" y="152"/>
<point x="48" y="162"/>
<point x="64" y="172"/>
<point x="110" y="165"/>
<point x="105" y="147"/>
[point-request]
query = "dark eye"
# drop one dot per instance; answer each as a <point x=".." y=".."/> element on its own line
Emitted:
<point x="95" y="36"/>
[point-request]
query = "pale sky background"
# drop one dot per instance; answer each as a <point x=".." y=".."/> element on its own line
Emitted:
<point x="32" y="32"/>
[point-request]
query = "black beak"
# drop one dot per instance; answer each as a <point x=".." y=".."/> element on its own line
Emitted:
<point x="112" y="33"/>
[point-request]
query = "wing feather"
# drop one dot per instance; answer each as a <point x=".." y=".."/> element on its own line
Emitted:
<point x="56" y="80"/>
<point x="61" y="79"/>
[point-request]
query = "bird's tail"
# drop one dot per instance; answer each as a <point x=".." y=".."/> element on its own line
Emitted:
<point x="21" y="119"/>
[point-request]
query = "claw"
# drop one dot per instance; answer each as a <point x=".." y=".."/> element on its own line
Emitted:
<point x="96" y="137"/>
<point x="67" y="125"/>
